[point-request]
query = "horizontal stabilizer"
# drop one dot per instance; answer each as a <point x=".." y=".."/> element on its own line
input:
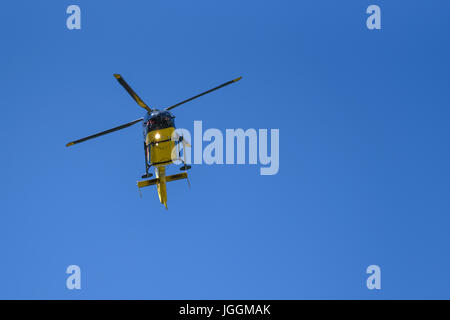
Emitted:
<point x="146" y="183"/>
<point x="178" y="176"/>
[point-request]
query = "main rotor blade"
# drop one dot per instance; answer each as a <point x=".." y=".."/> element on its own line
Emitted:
<point x="131" y="92"/>
<point x="126" y="125"/>
<point x="203" y="93"/>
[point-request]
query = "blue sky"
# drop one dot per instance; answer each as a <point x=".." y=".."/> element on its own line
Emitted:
<point x="364" y="176"/>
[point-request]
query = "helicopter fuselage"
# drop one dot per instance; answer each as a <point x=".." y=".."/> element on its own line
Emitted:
<point x="159" y="127"/>
<point x="159" y="145"/>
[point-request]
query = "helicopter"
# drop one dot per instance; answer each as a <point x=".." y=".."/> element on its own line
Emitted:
<point x="160" y="140"/>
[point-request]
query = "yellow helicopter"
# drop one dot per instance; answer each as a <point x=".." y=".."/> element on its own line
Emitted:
<point x="161" y="141"/>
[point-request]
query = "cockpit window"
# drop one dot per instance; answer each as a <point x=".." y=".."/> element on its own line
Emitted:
<point x="159" y="122"/>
